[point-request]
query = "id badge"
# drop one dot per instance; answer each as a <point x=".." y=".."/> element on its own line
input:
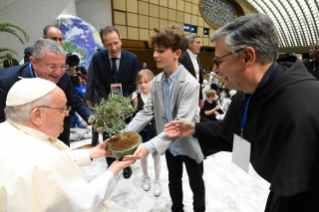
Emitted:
<point x="117" y="89"/>
<point x="241" y="153"/>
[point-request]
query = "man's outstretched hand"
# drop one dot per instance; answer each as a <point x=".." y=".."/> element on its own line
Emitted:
<point x="140" y="153"/>
<point x="179" y="128"/>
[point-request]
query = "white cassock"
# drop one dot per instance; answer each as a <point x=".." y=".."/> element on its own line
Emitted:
<point x="40" y="174"/>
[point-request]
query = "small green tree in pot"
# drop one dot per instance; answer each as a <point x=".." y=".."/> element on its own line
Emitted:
<point x="111" y="115"/>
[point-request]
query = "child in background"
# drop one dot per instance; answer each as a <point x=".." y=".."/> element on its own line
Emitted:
<point x="211" y="108"/>
<point x="143" y="80"/>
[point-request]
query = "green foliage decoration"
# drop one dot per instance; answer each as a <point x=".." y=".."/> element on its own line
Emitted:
<point x="10" y="28"/>
<point x="112" y="113"/>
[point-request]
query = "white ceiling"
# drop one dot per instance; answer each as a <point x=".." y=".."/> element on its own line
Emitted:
<point x="296" y="21"/>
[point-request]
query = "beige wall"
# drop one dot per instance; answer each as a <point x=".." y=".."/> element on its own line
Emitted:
<point x="135" y="19"/>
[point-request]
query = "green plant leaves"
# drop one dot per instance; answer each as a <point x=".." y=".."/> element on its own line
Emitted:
<point x="112" y="113"/>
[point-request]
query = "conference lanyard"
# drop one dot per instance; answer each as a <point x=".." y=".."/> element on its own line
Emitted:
<point x="243" y="121"/>
<point x="30" y="67"/>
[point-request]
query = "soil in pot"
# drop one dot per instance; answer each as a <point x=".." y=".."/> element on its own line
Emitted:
<point x="124" y="141"/>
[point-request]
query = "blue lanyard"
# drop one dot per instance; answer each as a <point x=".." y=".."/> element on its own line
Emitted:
<point x="243" y="121"/>
<point x="31" y="70"/>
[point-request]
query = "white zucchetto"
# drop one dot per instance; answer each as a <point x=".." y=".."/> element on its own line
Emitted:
<point x="27" y="90"/>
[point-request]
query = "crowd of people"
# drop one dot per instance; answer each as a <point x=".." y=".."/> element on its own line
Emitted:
<point x="262" y="116"/>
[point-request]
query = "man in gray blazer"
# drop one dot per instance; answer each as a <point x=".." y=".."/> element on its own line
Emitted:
<point x="173" y="96"/>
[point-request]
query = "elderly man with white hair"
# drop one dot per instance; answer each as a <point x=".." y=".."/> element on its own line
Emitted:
<point x="38" y="171"/>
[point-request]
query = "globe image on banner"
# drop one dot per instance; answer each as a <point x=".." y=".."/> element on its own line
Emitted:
<point x="79" y="38"/>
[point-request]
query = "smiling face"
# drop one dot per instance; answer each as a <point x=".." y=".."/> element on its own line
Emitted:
<point x="112" y="42"/>
<point x="233" y="69"/>
<point x="43" y="71"/>
<point x="195" y="46"/>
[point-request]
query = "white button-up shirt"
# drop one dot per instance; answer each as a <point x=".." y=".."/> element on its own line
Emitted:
<point x="194" y="62"/>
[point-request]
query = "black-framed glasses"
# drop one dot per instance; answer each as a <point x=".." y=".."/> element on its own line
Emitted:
<point x="61" y="109"/>
<point x="215" y="60"/>
<point x="54" y="67"/>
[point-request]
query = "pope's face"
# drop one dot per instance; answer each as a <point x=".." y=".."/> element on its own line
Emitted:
<point x="42" y="69"/>
<point x="233" y="69"/>
<point x="112" y="42"/>
<point x="53" y="118"/>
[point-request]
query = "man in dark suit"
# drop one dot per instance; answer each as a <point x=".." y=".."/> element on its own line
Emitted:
<point x="114" y="66"/>
<point x="47" y="62"/>
<point x="191" y="62"/>
<point x="9" y="62"/>
<point x="49" y="32"/>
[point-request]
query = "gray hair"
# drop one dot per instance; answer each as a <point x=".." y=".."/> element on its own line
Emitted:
<point x="191" y="38"/>
<point x="43" y="45"/>
<point x="22" y="113"/>
<point x="253" y="30"/>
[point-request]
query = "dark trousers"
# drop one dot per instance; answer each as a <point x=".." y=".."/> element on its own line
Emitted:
<point x="301" y="202"/>
<point x="95" y="137"/>
<point x="109" y="161"/>
<point x="65" y="135"/>
<point x="195" y="174"/>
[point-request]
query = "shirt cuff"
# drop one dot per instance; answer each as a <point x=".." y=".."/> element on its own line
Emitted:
<point x="150" y="147"/>
<point x="82" y="157"/>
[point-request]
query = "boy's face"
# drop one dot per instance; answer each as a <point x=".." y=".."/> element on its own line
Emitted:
<point x="165" y="57"/>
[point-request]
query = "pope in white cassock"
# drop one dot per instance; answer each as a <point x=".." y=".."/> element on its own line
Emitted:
<point x="37" y="171"/>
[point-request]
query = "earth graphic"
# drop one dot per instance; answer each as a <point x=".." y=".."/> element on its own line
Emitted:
<point x="79" y="38"/>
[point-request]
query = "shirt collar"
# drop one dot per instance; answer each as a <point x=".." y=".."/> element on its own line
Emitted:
<point x="191" y="54"/>
<point x="30" y="131"/>
<point x="118" y="57"/>
<point x="267" y="75"/>
<point x="174" y="75"/>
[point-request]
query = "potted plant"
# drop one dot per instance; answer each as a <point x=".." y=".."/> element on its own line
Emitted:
<point x="111" y="114"/>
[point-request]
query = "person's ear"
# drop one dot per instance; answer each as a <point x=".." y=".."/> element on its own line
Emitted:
<point x="36" y="117"/>
<point x="44" y="37"/>
<point x="178" y="53"/>
<point x="249" y="55"/>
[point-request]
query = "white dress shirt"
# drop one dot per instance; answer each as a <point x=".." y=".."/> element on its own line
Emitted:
<point x="194" y="62"/>
<point x="39" y="173"/>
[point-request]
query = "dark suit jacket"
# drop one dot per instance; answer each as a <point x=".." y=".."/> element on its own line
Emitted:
<point x="103" y="76"/>
<point x="91" y="92"/>
<point x="27" y="54"/>
<point x="187" y="63"/>
<point x="7" y="65"/>
<point x="10" y="76"/>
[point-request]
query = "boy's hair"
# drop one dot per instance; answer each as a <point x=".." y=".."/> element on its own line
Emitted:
<point x="169" y="37"/>
<point x="210" y="93"/>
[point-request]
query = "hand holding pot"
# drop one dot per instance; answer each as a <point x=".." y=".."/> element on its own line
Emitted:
<point x="101" y="150"/>
<point x="140" y="153"/>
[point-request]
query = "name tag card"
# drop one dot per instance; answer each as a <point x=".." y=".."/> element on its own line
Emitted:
<point x="241" y="153"/>
<point x="117" y="89"/>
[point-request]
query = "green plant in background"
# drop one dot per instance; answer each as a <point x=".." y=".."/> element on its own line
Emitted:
<point x="112" y="113"/>
<point x="11" y="29"/>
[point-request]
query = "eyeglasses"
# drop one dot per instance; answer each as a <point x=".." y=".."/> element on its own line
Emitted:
<point x="61" y="109"/>
<point x="215" y="60"/>
<point x="53" y="67"/>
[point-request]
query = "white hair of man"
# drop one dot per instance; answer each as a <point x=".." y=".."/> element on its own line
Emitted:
<point x="252" y="30"/>
<point x="43" y="45"/>
<point x="22" y="113"/>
